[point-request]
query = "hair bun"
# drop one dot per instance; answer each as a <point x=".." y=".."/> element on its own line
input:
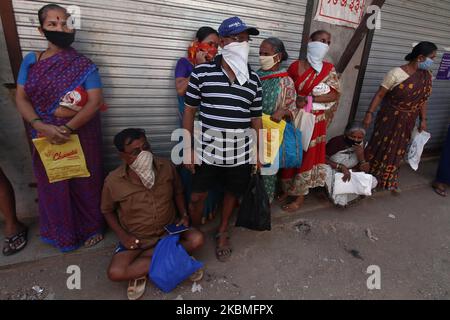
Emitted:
<point x="409" y="57"/>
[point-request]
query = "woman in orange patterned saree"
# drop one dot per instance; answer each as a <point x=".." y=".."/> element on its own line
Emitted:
<point x="403" y="96"/>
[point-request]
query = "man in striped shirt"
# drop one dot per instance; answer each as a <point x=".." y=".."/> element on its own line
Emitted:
<point x="228" y="96"/>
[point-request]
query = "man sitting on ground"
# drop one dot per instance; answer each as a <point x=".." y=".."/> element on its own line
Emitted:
<point x="139" y="199"/>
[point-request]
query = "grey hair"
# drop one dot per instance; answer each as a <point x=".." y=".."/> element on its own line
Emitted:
<point x="355" y="126"/>
<point x="278" y="46"/>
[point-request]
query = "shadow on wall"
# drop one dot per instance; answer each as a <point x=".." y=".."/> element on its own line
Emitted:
<point x="15" y="157"/>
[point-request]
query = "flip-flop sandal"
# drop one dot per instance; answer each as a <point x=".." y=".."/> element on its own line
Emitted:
<point x="93" y="241"/>
<point x="223" y="253"/>
<point x="15" y="243"/>
<point x="197" y="275"/>
<point x="136" y="288"/>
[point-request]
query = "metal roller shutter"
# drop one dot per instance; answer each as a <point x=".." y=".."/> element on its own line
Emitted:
<point x="136" y="45"/>
<point x="405" y="23"/>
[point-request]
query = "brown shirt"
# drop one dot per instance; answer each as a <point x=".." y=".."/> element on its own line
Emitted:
<point x="143" y="212"/>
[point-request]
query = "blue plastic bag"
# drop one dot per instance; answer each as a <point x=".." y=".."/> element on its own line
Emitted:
<point x="291" y="150"/>
<point x="171" y="264"/>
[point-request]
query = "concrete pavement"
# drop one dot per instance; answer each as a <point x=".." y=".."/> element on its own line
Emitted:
<point x="319" y="253"/>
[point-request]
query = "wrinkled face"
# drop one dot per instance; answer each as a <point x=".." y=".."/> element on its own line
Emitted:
<point x="56" y="20"/>
<point x="357" y="136"/>
<point x="323" y="37"/>
<point x="133" y="148"/>
<point x="266" y="49"/>
<point x="241" y="37"/>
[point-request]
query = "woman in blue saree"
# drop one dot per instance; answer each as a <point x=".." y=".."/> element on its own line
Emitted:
<point x="69" y="210"/>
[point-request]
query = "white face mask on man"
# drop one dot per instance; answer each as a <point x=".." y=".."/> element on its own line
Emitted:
<point x="316" y="53"/>
<point x="143" y="167"/>
<point x="235" y="55"/>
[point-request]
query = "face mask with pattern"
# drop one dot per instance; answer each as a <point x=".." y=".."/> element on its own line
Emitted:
<point x="195" y="47"/>
<point x="143" y="167"/>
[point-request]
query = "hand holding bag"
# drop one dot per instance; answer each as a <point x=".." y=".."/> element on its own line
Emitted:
<point x="254" y="212"/>
<point x="62" y="161"/>
<point x="418" y="142"/>
<point x="305" y="121"/>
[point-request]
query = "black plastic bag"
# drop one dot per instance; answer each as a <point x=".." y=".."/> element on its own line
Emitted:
<point x="254" y="212"/>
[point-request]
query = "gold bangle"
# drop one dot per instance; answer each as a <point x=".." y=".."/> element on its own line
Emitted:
<point x="32" y="122"/>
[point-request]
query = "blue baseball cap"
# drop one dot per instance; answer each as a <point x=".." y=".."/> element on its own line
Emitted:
<point x="235" y="25"/>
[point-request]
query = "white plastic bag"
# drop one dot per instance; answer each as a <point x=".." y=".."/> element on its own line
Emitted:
<point x="418" y="142"/>
<point x="360" y="183"/>
<point x="305" y="121"/>
<point x="321" y="90"/>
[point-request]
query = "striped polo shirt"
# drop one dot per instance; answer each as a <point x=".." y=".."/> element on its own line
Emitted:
<point x="225" y="112"/>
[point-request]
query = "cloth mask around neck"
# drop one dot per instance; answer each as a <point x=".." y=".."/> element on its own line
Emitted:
<point x="60" y="39"/>
<point x="316" y="53"/>
<point x="143" y="167"/>
<point x="235" y="55"/>
<point x="267" y="62"/>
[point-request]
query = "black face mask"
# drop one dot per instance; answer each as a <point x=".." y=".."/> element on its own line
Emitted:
<point x="60" y="39"/>
<point x="352" y="142"/>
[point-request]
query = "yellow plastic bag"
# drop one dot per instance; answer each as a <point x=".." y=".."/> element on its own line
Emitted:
<point x="273" y="138"/>
<point x="62" y="162"/>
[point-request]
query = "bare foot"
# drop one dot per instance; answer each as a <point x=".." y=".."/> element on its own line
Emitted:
<point x="440" y="189"/>
<point x="281" y="198"/>
<point x="295" y="205"/>
<point x="13" y="229"/>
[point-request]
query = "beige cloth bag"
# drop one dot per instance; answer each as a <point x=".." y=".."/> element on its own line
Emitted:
<point x="305" y="121"/>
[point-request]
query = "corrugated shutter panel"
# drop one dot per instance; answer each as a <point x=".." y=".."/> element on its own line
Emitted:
<point x="405" y="23"/>
<point x="136" y="45"/>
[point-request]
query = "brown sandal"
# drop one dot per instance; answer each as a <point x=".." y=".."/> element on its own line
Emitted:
<point x="94" y="240"/>
<point x="223" y="253"/>
<point x="15" y="243"/>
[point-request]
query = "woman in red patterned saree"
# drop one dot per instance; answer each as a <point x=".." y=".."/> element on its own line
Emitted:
<point x="318" y="79"/>
<point x="403" y="97"/>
